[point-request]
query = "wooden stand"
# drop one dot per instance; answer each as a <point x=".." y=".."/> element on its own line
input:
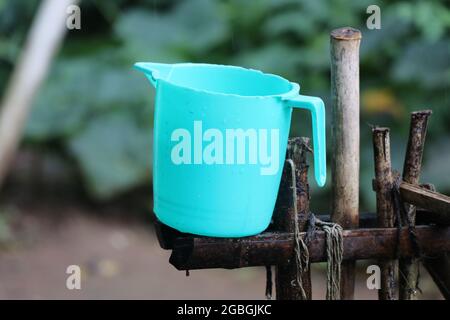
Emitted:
<point x="276" y="245"/>
<point x="366" y="235"/>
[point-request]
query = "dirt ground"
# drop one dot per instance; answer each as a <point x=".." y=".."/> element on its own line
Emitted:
<point x="119" y="260"/>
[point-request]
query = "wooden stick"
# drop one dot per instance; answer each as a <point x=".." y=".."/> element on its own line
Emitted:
<point x="345" y="139"/>
<point x="274" y="248"/>
<point x="385" y="209"/>
<point x="284" y="219"/>
<point x="46" y="34"/>
<point x="167" y="236"/>
<point x="409" y="267"/>
<point x="435" y="202"/>
<point x="439" y="269"/>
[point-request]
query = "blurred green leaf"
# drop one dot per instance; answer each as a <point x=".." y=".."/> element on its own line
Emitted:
<point x="297" y="21"/>
<point x="426" y="63"/>
<point x="431" y="17"/>
<point x="92" y="95"/>
<point x="168" y="36"/>
<point x="114" y="154"/>
<point x="389" y="39"/>
<point x="434" y="171"/>
<point x="276" y="58"/>
<point x="79" y="89"/>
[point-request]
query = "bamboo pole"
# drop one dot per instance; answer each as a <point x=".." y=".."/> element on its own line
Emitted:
<point x="284" y="219"/>
<point x="345" y="139"/>
<point x="42" y="43"/>
<point x="409" y="267"/>
<point x="274" y="248"/>
<point x="385" y="209"/>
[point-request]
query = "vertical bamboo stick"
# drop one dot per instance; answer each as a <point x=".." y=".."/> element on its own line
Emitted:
<point x="385" y="210"/>
<point x="284" y="219"/>
<point x="42" y="43"/>
<point x="409" y="267"/>
<point x="345" y="139"/>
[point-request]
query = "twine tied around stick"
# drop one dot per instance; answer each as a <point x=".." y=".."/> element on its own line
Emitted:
<point x="334" y="249"/>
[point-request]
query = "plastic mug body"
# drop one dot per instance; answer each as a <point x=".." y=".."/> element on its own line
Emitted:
<point x="220" y="138"/>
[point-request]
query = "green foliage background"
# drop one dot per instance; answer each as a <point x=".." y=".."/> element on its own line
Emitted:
<point x="98" y="111"/>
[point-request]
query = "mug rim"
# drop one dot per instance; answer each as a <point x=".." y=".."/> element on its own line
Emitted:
<point x="292" y="92"/>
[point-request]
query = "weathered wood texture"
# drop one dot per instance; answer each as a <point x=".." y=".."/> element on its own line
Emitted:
<point x="284" y="219"/>
<point x="409" y="267"/>
<point x="439" y="269"/>
<point x="274" y="248"/>
<point x="385" y="209"/>
<point x="167" y="235"/>
<point x="345" y="138"/>
<point x="437" y="203"/>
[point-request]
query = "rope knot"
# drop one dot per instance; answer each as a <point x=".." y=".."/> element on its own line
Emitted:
<point x="334" y="249"/>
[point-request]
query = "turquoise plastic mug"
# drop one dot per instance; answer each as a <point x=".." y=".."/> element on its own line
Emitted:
<point x="220" y="137"/>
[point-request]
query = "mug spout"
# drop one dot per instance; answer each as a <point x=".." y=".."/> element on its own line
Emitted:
<point x="154" y="71"/>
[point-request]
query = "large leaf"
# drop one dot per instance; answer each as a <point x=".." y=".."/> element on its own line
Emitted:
<point x="436" y="168"/>
<point x="297" y="22"/>
<point x="192" y="27"/>
<point x="276" y="58"/>
<point x="80" y="88"/>
<point x="426" y="63"/>
<point x="389" y="39"/>
<point x="63" y="104"/>
<point x="431" y="17"/>
<point x="114" y="154"/>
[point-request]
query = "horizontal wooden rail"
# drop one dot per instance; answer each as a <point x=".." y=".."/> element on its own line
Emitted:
<point x="276" y="248"/>
<point x="437" y="203"/>
<point x="369" y="219"/>
<point x="166" y="235"/>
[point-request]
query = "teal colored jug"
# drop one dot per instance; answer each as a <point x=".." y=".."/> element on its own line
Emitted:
<point x="220" y="138"/>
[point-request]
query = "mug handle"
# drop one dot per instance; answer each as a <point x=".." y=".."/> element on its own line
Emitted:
<point x="316" y="107"/>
